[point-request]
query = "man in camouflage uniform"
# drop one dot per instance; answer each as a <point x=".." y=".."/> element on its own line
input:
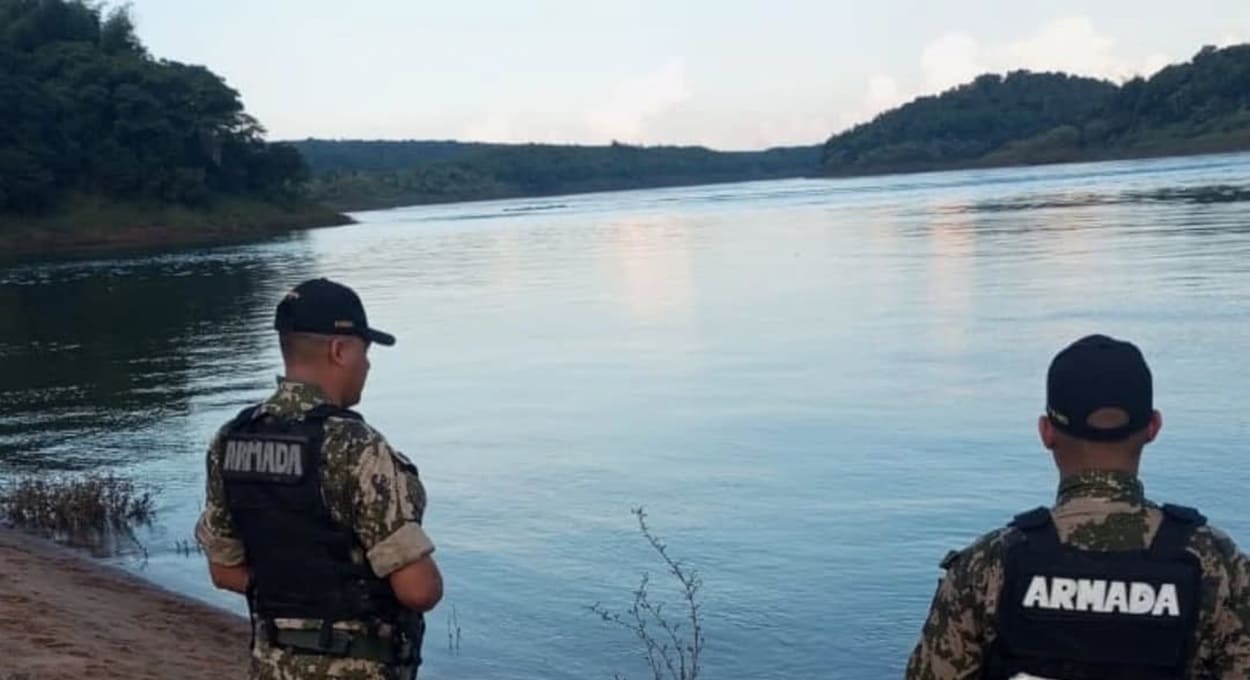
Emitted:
<point x="372" y="494"/>
<point x="1099" y="418"/>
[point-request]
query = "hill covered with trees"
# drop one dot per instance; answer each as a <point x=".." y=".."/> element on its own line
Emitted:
<point x="1018" y="118"/>
<point x="101" y="142"/>
<point x="1199" y="106"/>
<point x="372" y="174"/>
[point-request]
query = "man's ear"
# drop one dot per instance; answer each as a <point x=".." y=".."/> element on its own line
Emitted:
<point x="1156" y="424"/>
<point x="336" y="350"/>
<point x="1046" y="432"/>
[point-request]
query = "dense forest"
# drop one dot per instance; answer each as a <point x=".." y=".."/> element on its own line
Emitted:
<point x="1199" y="106"/>
<point x="90" y="118"/>
<point x="1017" y="118"/>
<point x="103" y="143"/>
<point x="362" y="174"/>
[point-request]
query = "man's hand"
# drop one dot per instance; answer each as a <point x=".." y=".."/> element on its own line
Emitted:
<point x="229" y="578"/>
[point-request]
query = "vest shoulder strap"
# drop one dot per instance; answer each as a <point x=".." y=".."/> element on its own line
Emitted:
<point x="1184" y="513"/>
<point x="245" y="416"/>
<point x="1038" y="527"/>
<point x="1179" y="523"/>
<point x="1037" y="518"/>
<point x="325" y="411"/>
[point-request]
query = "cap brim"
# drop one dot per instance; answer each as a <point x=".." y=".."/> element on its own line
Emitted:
<point x="378" y="337"/>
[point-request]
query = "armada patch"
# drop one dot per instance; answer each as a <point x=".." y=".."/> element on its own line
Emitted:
<point x="1103" y="596"/>
<point x="269" y="458"/>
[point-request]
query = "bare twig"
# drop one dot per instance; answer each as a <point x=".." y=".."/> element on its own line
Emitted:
<point x="668" y="653"/>
<point x="453" y="631"/>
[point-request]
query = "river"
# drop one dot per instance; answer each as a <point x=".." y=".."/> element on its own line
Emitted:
<point x="815" y="387"/>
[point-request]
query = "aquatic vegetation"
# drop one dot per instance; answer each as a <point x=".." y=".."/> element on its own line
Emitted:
<point x="188" y="548"/>
<point x="89" y="510"/>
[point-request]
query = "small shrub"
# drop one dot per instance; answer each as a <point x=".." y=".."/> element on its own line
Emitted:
<point x="672" y="647"/>
<point x="91" y="510"/>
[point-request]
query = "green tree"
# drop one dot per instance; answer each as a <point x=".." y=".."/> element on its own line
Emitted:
<point x="1203" y="104"/>
<point x="88" y="111"/>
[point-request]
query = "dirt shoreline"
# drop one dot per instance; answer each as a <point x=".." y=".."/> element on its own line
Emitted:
<point x="139" y="240"/>
<point x="44" y="240"/>
<point x="63" y="616"/>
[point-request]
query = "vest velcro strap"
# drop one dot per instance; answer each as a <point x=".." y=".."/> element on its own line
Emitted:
<point x="1038" y="527"/>
<point x="324" y="411"/>
<point x="342" y="644"/>
<point x="326" y="634"/>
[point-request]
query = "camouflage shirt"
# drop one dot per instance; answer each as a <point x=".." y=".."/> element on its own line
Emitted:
<point x="367" y="486"/>
<point x="1095" y="511"/>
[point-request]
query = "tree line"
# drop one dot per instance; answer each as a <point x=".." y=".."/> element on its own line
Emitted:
<point x="87" y="110"/>
<point x="364" y="174"/>
<point x="1023" y="117"/>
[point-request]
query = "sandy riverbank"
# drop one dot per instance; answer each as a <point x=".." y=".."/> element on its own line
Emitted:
<point x="63" y="616"/>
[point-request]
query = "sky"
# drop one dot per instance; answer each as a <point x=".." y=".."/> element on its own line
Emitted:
<point x="727" y="74"/>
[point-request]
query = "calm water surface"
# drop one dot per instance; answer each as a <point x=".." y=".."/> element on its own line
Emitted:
<point x="816" y="388"/>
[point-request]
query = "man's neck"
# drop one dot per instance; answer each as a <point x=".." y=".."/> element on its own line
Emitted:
<point x="1127" y="468"/>
<point x="1109" y="485"/>
<point x="1079" y="460"/>
<point x="307" y="377"/>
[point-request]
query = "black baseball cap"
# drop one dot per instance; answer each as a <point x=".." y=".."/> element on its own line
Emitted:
<point x="327" y="308"/>
<point x="1094" y="373"/>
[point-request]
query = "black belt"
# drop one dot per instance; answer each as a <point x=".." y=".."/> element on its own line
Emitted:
<point x="345" y="644"/>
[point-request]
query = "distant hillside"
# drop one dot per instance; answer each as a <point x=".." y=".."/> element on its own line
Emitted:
<point x="374" y="174"/>
<point x="325" y="155"/>
<point x="100" y="142"/>
<point x="1197" y="107"/>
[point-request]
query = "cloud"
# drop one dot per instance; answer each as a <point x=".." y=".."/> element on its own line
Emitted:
<point x="635" y="102"/>
<point x="1071" y="44"/>
<point x="775" y="129"/>
<point x="635" y="110"/>
<point x="658" y="105"/>
<point x="1237" y="37"/>
<point x="950" y="60"/>
<point x="881" y="93"/>
<point x="493" y="128"/>
<point x="1153" y="64"/>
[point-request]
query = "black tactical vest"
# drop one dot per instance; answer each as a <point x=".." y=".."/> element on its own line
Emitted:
<point x="1079" y="614"/>
<point x="298" y="556"/>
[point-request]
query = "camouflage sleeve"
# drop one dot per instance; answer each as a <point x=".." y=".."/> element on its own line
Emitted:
<point x="960" y="624"/>
<point x="1224" y="636"/>
<point x="214" y="531"/>
<point x="377" y="491"/>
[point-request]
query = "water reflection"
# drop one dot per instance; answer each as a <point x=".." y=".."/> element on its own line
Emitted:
<point x="952" y="242"/>
<point x="96" y="353"/>
<point x="650" y="263"/>
<point x="806" y="381"/>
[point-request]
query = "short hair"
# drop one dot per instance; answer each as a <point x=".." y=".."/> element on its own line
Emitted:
<point x="301" y="347"/>
<point x="1132" y="443"/>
